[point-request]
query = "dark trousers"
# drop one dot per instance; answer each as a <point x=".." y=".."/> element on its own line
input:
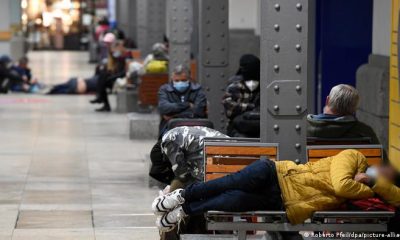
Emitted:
<point x="255" y="188"/>
<point x="68" y="87"/>
<point x="105" y="81"/>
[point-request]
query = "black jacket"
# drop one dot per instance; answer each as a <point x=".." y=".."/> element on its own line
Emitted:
<point x="177" y="105"/>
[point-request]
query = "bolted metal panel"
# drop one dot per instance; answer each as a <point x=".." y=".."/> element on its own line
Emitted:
<point x="180" y="31"/>
<point x="214" y="55"/>
<point x="287" y="73"/>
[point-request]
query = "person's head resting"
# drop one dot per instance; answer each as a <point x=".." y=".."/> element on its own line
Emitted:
<point x="342" y="100"/>
<point x="159" y="51"/>
<point x="180" y="78"/>
<point x="389" y="172"/>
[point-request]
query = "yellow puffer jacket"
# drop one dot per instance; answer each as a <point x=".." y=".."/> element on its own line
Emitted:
<point x="324" y="185"/>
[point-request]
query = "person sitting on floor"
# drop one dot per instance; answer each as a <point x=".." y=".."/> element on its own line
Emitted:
<point x="8" y="77"/>
<point x="242" y="99"/>
<point x="338" y="119"/>
<point x="29" y="84"/>
<point x="177" y="160"/>
<point x="181" y="98"/>
<point x="300" y="190"/>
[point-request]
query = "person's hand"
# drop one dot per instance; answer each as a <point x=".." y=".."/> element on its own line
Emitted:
<point x="362" y="178"/>
<point x="191" y="105"/>
<point x="25" y="78"/>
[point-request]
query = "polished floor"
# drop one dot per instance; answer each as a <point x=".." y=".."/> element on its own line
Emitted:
<point x="67" y="172"/>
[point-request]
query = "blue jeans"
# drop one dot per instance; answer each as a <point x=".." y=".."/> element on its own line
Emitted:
<point x="255" y="188"/>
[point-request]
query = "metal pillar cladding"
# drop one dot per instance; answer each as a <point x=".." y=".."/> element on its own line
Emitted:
<point x="214" y="55"/>
<point x="156" y="27"/>
<point x="141" y="25"/>
<point x="287" y="73"/>
<point x="180" y="14"/>
<point x="150" y="17"/>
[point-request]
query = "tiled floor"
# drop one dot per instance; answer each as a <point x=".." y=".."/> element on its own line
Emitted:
<point x="67" y="172"/>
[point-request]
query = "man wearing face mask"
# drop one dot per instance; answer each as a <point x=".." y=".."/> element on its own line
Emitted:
<point x="242" y="99"/>
<point x="181" y="98"/>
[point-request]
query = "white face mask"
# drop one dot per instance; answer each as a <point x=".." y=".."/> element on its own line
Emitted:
<point x="372" y="172"/>
<point x="252" y="84"/>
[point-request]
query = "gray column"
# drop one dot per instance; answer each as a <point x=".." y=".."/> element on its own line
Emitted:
<point x="126" y="17"/>
<point x="180" y="17"/>
<point x="287" y="74"/>
<point x="150" y="23"/>
<point x="214" y="55"/>
<point x="5" y="26"/>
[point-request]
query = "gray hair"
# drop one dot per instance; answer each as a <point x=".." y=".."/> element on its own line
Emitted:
<point x="181" y="69"/>
<point x="343" y="99"/>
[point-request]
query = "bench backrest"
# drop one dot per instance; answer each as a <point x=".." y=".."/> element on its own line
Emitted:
<point x="136" y="54"/>
<point x="185" y="122"/>
<point x="149" y="86"/>
<point x="373" y="153"/>
<point x="311" y="141"/>
<point x="230" y="156"/>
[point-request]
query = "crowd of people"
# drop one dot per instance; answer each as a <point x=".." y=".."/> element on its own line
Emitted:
<point x="177" y="157"/>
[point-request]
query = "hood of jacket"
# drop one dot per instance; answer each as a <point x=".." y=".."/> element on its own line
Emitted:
<point x="328" y="126"/>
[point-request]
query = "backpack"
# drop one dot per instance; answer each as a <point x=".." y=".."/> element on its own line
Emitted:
<point x="370" y="204"/>
<point x="157" y="66"/>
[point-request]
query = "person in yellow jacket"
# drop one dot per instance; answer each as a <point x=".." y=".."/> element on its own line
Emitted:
<point x="300" y="190"/>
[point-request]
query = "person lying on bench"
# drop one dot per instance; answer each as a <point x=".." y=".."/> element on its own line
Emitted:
<point x="177" y="160"/>
<point x="300" y="190"/>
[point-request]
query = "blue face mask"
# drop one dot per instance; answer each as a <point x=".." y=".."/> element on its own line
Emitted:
<point x="181" y="86"/>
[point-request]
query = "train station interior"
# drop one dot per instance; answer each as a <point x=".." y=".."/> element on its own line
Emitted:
<point x="199" y="119"/>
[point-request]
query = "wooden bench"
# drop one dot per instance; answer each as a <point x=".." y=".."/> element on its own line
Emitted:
<point x="373" y="153"/>
<point x="226" y="157"/>
<point x="223" y="157"/>
<point x="148" y="88"/>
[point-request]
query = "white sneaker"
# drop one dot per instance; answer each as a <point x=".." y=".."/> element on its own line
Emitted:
<point x="169" y="221"/>
<point x="166" y="203"/>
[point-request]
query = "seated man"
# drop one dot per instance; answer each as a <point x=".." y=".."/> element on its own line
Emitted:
<point x="242" y="99"/>
<point x="181" y="98"/>
<point x="338" y="119"/>
<point x="8" y="77"/>
<point x="177" y="160"/>
<point x="29" y="84"/>
<point x="300" y="190"/>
